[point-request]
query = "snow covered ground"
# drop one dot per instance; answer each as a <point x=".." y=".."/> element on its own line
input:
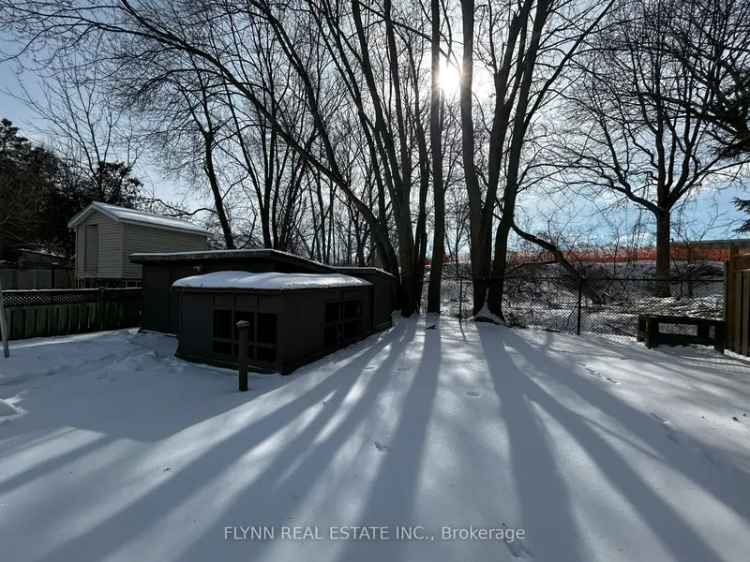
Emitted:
<point x="594" y="449"/>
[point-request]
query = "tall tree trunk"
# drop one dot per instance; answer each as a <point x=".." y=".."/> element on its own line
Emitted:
<point x="213" y="180"/>
<point x="479" y="233"/>
<point x="510" y="193"/>
<point x="438" y="241"/>
<point x="407" y="251"/>
<point x="265" y="224"/>
<point x="407" y="259"/>
<point x="663" y="258"/>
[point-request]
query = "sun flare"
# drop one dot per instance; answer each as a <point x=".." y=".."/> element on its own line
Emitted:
<point x="450" y="79"/>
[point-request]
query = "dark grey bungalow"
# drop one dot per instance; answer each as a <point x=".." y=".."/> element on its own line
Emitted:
<point x="161" y="270"/>
<point x="294" y="318"/>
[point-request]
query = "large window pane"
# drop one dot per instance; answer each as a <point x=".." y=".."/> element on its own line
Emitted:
<point x="222" y="327"/>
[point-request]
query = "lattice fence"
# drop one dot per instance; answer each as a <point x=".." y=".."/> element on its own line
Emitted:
<point x="49" y="312"/>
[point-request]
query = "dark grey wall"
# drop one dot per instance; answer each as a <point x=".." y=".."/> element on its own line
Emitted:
<point x="300" y="321"/>
<point x="156" y="299"/>
<point x="195" y="324"/>
<point x="304" y="335"/>
<point x="160" y="303"/>
<point x="161" y="306"/>
<point x="385" y="293"/>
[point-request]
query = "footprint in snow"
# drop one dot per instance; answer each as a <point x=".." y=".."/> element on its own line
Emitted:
<point x="380" y="447"/>
<point x="597" y="374"/>
<point x="671" y="433"/>
<point x="710" y="457"/>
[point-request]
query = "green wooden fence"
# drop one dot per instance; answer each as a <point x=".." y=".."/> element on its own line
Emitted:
<point x="53" y="312"/>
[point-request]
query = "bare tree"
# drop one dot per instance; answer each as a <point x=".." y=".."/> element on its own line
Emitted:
<point x="525" y="46"/>
<point x="635" y="145"/>
<point x="710" y="39"/>
<point x="84" y="127"/>
<point x="436" y="145"/>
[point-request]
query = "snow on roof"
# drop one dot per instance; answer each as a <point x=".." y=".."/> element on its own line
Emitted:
<point x="122" y="214"/>
<point x="273" y="281"/>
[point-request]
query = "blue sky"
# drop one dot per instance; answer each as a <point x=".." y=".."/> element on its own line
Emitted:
<point x="711" y="214"/>
<point x="32" y="127"/>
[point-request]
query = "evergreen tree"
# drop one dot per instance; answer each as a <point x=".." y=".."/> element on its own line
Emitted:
<point x="39" y="192"/>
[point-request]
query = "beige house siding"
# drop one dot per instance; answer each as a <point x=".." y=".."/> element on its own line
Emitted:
<point x="146" y="239"/>
<point x="109" y="262"/>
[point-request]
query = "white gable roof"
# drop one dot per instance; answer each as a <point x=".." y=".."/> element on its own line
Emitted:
<point x="131" y="216"/>
<point x="269" y="281"/>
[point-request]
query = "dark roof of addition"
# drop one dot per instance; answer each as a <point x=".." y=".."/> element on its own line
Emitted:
<point x="253" y="254"/>
<point x="356" y="270"/>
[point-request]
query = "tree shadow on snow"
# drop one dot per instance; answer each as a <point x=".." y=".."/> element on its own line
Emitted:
<point x="291" y="470"/>
<point x="520" y="394"/>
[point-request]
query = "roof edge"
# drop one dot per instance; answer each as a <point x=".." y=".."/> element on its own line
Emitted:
<point x="154" y="257"/>
<point x="102" y="208"/>
<point x="368" y="269"/>
<point x="151" y="257"/>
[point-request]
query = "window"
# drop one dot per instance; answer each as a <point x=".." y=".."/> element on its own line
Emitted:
<point x="221" y="331"/>
<point x="261" y="334"/>
<point x="223" y="324"/>
<point x="343" y="323"/>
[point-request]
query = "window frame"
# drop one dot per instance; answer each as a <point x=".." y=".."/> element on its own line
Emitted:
<point x="341" y="320"/>
<point x="253" y="342"/>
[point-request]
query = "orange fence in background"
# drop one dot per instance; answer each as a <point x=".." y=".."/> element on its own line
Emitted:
<point x="682" y="252"/>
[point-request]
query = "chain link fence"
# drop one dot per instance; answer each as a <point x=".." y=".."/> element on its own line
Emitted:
<point x="602" y="305"/>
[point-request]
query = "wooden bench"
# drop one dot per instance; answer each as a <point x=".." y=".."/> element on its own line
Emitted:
<point x="648" y="331"/>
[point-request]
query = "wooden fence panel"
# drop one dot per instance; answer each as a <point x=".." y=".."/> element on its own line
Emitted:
<point x="737" y="311"/>
<point x="72" y="311"/>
